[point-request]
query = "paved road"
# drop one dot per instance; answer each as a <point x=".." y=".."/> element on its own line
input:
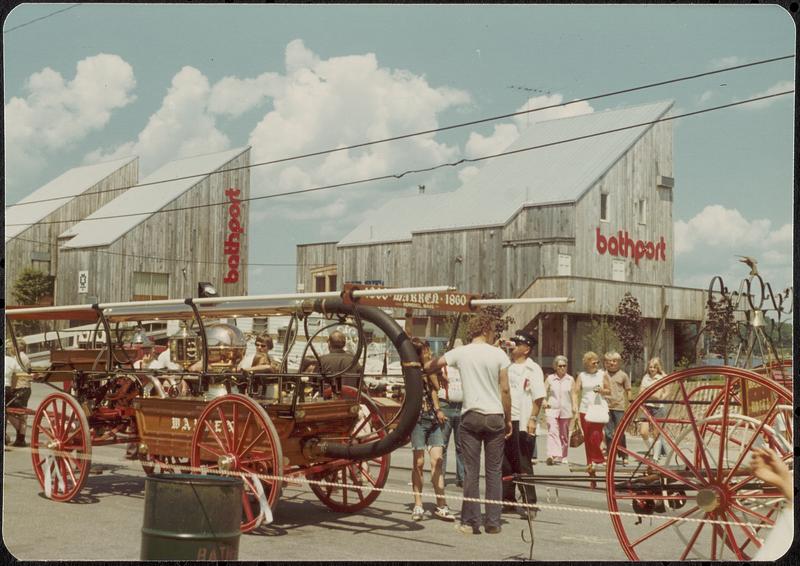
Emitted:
<point x="104" y="522"/>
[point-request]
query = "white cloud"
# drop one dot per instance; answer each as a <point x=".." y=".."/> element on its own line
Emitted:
<point x="723" y="62"/>
<point x="326" y="103"/>
<point x="181" y="127"/>
<point x="233" y="96"/>
<point x="711" y="242"/>
<point x="563" y="110"/>
<point x="467" y="173"/>
<point x="781" y="86"/>
<point x="57" y="113"/>
<point x="502" y="136"/>
<point x="706" y="96"/>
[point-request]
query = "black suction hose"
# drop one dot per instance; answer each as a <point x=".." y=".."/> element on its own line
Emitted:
<point x="412" y="378"/>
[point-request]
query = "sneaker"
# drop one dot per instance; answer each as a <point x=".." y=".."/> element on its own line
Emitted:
<point x="459" y="483"/>
<point x="20" y="441"/>
<point x="492" y="530"/>
<point x="565" y="461"/>
<point x="465" y="529"/>
<point x="444" y="514"/>
<point x="418" y="513"/>
<point x="549" y="461"/>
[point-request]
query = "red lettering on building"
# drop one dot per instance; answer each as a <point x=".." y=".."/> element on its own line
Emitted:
<point x="622" y="245"/>
<point x="232" y="240"/>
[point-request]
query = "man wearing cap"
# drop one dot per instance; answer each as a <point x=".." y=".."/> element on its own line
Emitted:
<point x="526" y="381"/>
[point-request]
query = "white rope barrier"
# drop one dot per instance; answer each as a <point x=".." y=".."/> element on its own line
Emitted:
<point x="302" y="480"/>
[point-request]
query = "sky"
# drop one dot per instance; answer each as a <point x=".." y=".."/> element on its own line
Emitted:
<point x="96" y="82"/>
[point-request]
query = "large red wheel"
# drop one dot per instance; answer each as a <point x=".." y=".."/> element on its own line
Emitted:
<point x="706" y="475"/>
<point x="234" y="434"/>
<point x="61" y="449"/>
<point x="355" y="481"/>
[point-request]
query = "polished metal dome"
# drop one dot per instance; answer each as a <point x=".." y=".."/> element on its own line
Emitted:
<point x="226" y="343"/>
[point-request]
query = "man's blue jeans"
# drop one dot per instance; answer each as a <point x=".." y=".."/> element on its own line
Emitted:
<point x="488" y="432"/>
<point x="453" y="413"/>
<point x="614" y="418"/>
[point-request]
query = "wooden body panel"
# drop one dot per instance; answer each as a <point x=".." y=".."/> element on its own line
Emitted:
<point x="166" y="425"/>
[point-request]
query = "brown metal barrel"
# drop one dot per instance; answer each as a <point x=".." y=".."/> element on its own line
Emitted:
<point x="191" y="517"/>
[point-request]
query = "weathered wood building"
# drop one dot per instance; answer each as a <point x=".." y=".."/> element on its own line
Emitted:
<point x="34" y="223"/>
<point x="582" y="213"/>
<point x="159" y="239"/>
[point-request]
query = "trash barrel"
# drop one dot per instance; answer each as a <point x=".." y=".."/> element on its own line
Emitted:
<point x="191" y="517"/>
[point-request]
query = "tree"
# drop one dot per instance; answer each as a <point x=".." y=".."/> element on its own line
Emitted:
<point x="601" y="338"/>
<point x="628" y="328"/>
<point x="31" y="286"/>
<point x="721" y="327"/>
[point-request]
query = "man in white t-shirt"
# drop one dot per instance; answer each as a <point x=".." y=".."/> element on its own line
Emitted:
<point x="12" y="367"/>
<point x="526" y="382"/>
<point x="485" y="417"/>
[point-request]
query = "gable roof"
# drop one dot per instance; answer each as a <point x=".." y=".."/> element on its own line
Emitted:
<point x="64" y="188"/>
<point x="145" y="199"/>
<point x="558" y="173"/>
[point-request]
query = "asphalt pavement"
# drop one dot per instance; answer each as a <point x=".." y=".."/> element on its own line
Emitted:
<point x="104" y="522"/>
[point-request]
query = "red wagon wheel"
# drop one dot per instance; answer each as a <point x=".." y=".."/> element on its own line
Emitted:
<point x="235" y="434"/>
<point x="61" y="449"/>
<point x="706" y="475"/>
<point x="355" y="480"/>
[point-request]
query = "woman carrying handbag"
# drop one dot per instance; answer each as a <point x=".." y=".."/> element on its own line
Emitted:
<point x="590" y="385"/>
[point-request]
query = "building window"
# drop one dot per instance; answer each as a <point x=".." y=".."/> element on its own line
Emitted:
<point x="149" y="286"/>
<point x="641" y="210"/>
<point x="564" y="264"/>
<point x="324" y="278"/>
<point x="604" y="207"/>
<point x="617" y="270"/>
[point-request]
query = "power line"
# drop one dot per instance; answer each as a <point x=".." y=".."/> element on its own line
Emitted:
<point x="175" y="260"/>
<point x="415" y="171"/>
<point x="414" y="134"/>
<point x="41" y="18"/>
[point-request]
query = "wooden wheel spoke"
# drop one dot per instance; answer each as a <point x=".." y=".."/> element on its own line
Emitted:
<point x="749" y="444"/>
<point x="243" y="432"/>
<point x="663" y="526"/>
<point x="750" y="477"/>
<point x="72" y="435"/>
<point x="751" y="536"/>
<point x="725" y="414"/>
<point x="763" y="518"/>
<point x="695" y="431"/>
<point x="228" y="436"/>
<point x="674" y="446"/>
<point x="731" y="540"/>
<point x="48" y="432"/>
<point x="210" y="427"/>
<point x="253" y="442"/>
<point x="360" y="426"/>
<point x="256" y="459"/>
<point x="692" y="540"/>
<point x="210" y="448"/>
<point x="658" y="467"/>
<point x="71" y="471"/>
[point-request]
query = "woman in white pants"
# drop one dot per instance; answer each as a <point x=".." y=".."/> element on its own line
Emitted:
<point x="559" y="410"/>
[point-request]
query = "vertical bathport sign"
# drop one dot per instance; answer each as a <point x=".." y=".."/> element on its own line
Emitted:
<point x="233" y="235"/>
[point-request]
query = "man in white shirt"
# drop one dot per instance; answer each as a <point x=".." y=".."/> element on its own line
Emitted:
<point x="526" y="382"/>
<point x="485" y="417"/>
<point x="12" y="367"/>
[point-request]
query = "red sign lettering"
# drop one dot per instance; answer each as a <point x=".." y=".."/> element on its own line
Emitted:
<point x="235" y="230"/>
<point x="622" y="245"/>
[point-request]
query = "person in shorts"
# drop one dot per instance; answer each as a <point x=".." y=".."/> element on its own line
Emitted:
<point x="427" y="435"/>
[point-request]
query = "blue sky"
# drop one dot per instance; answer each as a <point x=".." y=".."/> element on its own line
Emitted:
<point x="100" y="81"/>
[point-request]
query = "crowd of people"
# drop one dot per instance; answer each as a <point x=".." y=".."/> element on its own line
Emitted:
<point x="491" y="401"/>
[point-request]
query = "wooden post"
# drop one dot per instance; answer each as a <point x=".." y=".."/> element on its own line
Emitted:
<point x="541" y="339"/>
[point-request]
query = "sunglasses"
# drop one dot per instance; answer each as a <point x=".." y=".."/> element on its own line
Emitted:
<point x="561" y="365"/>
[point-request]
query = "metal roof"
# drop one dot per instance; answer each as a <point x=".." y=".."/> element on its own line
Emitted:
<point x="145" y="199"/>
<point x="558" y="173"/>
<point x="64" y="188"/>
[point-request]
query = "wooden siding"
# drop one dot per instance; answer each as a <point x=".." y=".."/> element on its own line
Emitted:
<point x="387" y="262"/>
<point x="632" y="178"/>
<point x="313" y="256"/>
<point x="196" y="236"/>
<point x="19" y="250"/>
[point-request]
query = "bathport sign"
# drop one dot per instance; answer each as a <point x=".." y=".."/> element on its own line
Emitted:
<point x="233" y="238"/>
<point x="623" y="245"/>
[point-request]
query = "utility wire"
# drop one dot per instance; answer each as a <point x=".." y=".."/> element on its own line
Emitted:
<point x="414" y="171"/>
<point x="175" y="260"/>
<point x="414" y="134"/>
<point x="41" y="18"/>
